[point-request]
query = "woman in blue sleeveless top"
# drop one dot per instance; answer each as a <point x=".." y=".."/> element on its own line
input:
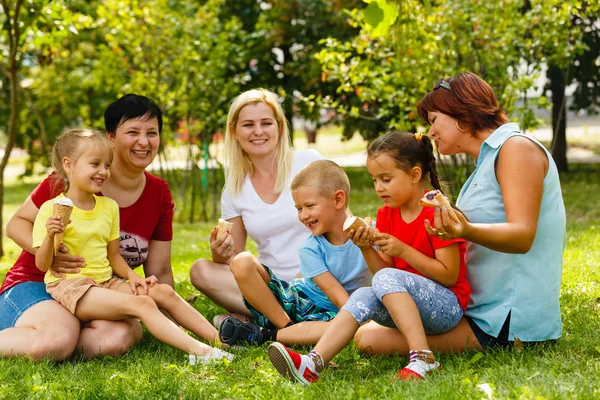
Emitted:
<point x="512" y="215"/>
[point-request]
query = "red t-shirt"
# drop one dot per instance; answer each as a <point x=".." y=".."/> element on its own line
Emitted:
<point x="149" y="218"/>
<point x="415" y="235"/>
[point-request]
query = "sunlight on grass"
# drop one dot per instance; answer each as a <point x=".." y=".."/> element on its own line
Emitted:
<point x="566" y="369"/>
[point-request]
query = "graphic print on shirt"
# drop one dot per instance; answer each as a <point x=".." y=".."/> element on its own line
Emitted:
<point x="134" y="249"/>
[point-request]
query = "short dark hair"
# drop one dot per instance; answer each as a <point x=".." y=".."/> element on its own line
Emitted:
<point x="469" y="100"/>
<point x="128" y="107"/>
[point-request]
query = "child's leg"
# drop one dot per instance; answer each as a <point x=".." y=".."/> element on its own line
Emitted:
<point x="363" y="305"/>
<point x="253" y="280"/>
<point x="308" y="332"/>
<point x="417" y="304"/>
<point x="184" y="314"/>
<point x="105" y="304"/>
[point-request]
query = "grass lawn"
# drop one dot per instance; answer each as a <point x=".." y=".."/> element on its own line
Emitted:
<point x="568" y="369"/>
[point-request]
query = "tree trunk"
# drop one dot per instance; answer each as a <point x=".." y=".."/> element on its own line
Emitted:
<point x="559" y="117"/>
<point x="14" y="35"/>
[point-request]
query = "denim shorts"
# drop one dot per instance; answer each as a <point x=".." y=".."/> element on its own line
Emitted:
<point x="18" y="299"/>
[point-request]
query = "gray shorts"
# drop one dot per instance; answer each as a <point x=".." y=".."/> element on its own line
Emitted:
<point x="438" y="306"/>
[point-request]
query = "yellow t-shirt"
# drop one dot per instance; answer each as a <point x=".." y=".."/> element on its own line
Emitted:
<point x="86" y="236"/>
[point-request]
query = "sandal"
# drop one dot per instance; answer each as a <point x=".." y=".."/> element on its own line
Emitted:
<point x="233" y="331"/>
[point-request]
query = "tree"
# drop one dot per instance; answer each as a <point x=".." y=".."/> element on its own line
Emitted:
<point x="21" y="24"/>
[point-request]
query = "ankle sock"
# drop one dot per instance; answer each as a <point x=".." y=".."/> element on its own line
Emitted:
<point x="270" y="334"/>
<point x="317" y="359"/>
<point x="421" y="363"/>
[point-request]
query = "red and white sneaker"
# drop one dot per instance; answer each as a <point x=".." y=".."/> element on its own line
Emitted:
<point x="417" y="369"/>
<point x="294" y="366"/>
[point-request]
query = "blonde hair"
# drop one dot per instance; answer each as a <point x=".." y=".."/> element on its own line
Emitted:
<point x="237" y="162"/>
<point x="324" y="175"/>
<point x="72" y="142"/>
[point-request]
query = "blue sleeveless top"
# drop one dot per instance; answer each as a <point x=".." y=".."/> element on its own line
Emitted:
<point x="526" y="285"/>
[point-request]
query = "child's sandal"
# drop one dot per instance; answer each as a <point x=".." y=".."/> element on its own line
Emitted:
<point x="233" y="331"/>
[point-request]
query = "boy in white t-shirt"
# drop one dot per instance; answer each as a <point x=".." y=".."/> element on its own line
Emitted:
<point x="332" y="268"/>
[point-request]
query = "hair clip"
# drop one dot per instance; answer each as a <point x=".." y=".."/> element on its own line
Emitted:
<point x="442" y="83"/>
<point x="419" y="135"/>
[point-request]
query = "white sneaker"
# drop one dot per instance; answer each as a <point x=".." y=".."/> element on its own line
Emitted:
<point x="216" y="355"/>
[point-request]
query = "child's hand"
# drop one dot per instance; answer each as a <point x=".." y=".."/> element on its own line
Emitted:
<point x="54" y="226"/>
<point x="134" y="281"/>
<point x="151" y="280"/>
<point x="389" y="245"/>
<point x="361" y="237"/>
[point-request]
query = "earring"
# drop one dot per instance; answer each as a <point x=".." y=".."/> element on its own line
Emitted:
<point x="459" y="128"/>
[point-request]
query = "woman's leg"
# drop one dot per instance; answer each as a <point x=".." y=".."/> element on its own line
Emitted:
<point x="374" y="339"/>
<point x="253" y="279"/>
<point x="103" y="304"/>
<point x="46" y="329"/>
<point x="109" y="338"/>
<point x="184" y="314"/>
<point x="216" y="282"/>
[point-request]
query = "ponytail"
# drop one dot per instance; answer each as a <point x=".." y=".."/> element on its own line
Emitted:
<point x="431" y="164"/>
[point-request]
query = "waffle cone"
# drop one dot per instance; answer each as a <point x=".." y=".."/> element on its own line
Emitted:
<point x="354" y="222"/>
<point x="64" y="212"/>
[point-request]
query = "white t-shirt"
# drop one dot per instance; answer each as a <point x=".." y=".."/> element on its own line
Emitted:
<point x="274" y="227"/>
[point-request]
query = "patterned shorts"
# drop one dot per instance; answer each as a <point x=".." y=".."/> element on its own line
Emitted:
<point x="296" y="304"/>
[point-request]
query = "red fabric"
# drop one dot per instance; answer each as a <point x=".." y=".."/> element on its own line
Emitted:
<point x="149" y="218"/>
<point x="415" y="235"/>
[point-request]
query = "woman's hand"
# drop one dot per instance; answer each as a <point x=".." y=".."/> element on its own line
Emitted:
<point x="222" y="248"/>
<point x="446" y="227"/>
<point x="64" y="263"/>
<point x="389" y="245"/>
<point x="135" y="280"/>
<point x="362" y="237"/>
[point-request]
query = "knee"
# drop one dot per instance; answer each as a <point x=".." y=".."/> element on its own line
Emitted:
<point x="364" y="341"/>
<point x="120" y="337"/>
<point x="242" y="264"/>
<point x="162" y="293"/>
<point x="56" y="344"/>
<point x="200" y="275"/>
<point x="389" y="280"/>
<point x="141" y="305"/>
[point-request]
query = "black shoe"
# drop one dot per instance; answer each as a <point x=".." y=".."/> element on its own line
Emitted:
<point x="233" y="331"/>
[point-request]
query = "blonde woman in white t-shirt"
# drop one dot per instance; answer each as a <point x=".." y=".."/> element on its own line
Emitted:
<point x="259" y="166"/>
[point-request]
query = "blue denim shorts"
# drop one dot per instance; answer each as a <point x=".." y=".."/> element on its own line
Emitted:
<point x="18" y="299"/>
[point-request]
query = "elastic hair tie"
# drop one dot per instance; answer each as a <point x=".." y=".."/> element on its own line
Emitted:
<point x="418" y="135"/>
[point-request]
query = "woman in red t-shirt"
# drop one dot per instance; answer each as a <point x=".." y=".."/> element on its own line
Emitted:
<point x="33" y="324"/>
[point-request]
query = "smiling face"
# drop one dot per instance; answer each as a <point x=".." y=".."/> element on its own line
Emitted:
<point x="89" y="171"/>
<point x="393" y="185"/>
<point x="136" y="143"/>
<point x="315" y="210"/>
<point x="257" y="131"/>
<point x="445" y="133"/>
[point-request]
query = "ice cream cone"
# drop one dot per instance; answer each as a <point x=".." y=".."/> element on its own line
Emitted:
<point x="64" y="212"/>
<point x="223" y="227"/>
<point x="353" y="222"/>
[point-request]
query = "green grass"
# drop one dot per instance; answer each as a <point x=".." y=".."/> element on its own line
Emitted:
<point x="568" y="369"/>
